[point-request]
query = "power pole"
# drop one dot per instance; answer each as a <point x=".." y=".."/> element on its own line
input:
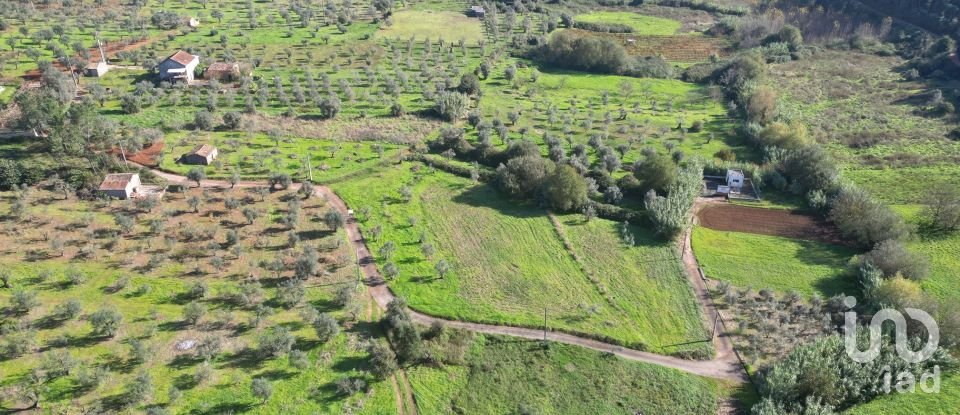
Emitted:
<point x="544" y="325"/>
<point x="309" y="168"/>
<point x="716" y="321"/>
<point x="120" y="144"/>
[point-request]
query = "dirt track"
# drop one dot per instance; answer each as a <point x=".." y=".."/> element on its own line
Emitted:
<point x="774" y="222"/>
<point x="723" y="366"/>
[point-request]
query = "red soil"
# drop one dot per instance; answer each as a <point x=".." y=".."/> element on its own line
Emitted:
<point x="774" y="222"/>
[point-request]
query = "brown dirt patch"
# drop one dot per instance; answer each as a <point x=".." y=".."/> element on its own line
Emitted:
<point x="774" y="222"/>
<point x="146" y="157"/>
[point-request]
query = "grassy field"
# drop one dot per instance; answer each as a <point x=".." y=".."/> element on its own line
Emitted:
<point x="260" y="155"/>
<point x="503" y="375"/>
<point x="434" y="25"/>
<point x="152" y="299"/>
<point x="508" y="263"/>
<point x="869" y="117"/>
<point x="761" y="261"/>
<point x="943" y="403"/>
<point x="642" y="25"/>
<point x="941" y="250"/>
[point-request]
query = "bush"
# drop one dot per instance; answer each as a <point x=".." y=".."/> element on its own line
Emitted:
<point x="203" y="120"/>
<point x="810" y="168"/>
<point x="670" y="214"/>
<point x="564" y="189"/>
<point x="232" y="120"/>
<point x="165" y="20"/>
<point x="863" y="219"/>
<point x="451" y="106"/>
<point x="892" y="258"/>
<point x="522" y="176"/>
<point x="655" y="172"/>
<point x="573" y="50"/>
<point x="603" y="27"/>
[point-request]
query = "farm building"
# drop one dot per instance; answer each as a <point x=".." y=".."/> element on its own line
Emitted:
<point x="201" y="154"/>
<point x="120" y="185"/>
<point x="476" y="11"/>
<point x="96" y="69"/>
<point x="178" y="67"/>
<point x="735" y="179"/>
<point x="222" y="71"/>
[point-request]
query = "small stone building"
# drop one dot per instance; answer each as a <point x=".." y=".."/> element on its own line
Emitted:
<point x="222" y="71"/>
<point x="202" y="154"/>
<point x="178" y="67"/>
<point x="476" y="11"/>
<point x="96" y="69"/>
<point x="120" y="185"/>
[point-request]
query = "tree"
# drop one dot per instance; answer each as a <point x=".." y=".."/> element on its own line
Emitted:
<point x="281" y="180"/>
<point x="863" y="219"/>
<point x="232" y="120"/>
<point x="276" y="341"/>
<point x="5" y="277"/>
<point x="451" y="106"/>
<point x="105" y="322"/>
<point x="386" y="251"/>
<point x="203" y="120"/>
<point x="330" y="106"/>
<point x="893" y="258"/>
<point x="521" y="176"/>
<point x="326" y="327"/>
<point x="250" y="214"/>
<point x="565" y="190"/>
<point x="655" y="172"/>
<point x="442" y="267"/>
<point x="290" y="293"/>
<point x="762" y="105"/>
<point x="941" y="210"/>
<point x="670" y="214"/>
<point x="193" y="312"/>
<point x="139" y="389"/>
<point x="262" y="389"/>
<point x="469" y="84"/>
<point x="390" y="270"/>
<point x="194" y="203"/>
<point x="333" y="219"/>
<point x="23" y="301"/>
<point x="197" y="174"/>
<point x="383" y="361"/>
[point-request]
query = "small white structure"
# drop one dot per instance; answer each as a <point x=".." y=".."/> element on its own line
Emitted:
<point x="178" y="67"/>
<point x="96" y="69"/>
<point x="120" y="185"/>
<point x="194" y="23"/>
<point x="201" y="154"/>
<point x="735" y="179"/>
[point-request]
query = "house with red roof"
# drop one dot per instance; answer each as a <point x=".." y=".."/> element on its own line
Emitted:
<point x="178" y="67"/>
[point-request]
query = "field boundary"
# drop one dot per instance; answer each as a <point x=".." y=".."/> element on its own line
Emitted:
<point x="721" y="367"/>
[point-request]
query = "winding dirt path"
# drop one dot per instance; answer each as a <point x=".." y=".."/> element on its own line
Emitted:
<point x="724" y="365"/>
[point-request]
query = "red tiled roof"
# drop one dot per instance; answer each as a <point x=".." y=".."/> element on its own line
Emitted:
<point x="203" y="150"/>
<point x="221" y="67"/>
<point x="181" y="57"/>
<point x="116" y="181"/>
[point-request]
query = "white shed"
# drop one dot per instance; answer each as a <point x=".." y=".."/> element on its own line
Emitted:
<point x="120" y="185"/>
<point x="178" y="67"/>
<point x="735" y="179"/>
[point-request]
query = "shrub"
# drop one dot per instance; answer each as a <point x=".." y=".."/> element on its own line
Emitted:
<point x="810" y="168"/>
<point x="521" y="176"/>
<point x="941" y="210"/>
<point x="564" y="189"/>
<point x="105" y="322"/>
<point x="655" y="172"/>
<point x="892" y="258"/>
<point x="603" y="27"/>
<point x="670" y="214"/>
<point x="866" y="221"/>
<point x="203" y="120"/>
<point x="451" y="106"/>
<point x="573" y="50"/>
<point x="232" y="120"/>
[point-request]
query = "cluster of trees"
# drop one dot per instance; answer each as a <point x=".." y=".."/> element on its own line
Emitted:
<point x="412" y="345"/>
<point x="590" y="53"/>
<point x="821" y="378"/>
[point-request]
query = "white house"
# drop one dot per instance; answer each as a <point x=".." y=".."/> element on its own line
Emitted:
<point x="735" y="179"/>
<point x="178" y="67"/>
<point x="120" y="185"/>
<point x="96" y="69"/>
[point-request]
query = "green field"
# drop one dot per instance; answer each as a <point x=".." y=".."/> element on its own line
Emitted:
<point x="642" y="25"/>
<point x="508" y="263"/>
<point x="761" y="261"/>
<point x="259" y="156"/>
<point x="503" y="375"/>
<point x="868" y="116"/>
<point x="943" y="403"/>
<point x="433" y="25"/>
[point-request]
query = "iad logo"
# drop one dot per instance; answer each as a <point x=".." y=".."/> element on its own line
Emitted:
<point x="906" y="381"/>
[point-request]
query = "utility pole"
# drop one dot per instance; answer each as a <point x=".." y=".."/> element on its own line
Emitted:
<point x="120" y="144"/>
<point x="309" y="168"/>
<point x="544" y="325"/>
<point x="716" y="321"/>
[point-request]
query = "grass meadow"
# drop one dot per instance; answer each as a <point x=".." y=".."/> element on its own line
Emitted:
<point x="781" y="264"/>
<point x="503" y="375"/>
<point x="509" y="263"/>
<point x="642" y="25"/>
